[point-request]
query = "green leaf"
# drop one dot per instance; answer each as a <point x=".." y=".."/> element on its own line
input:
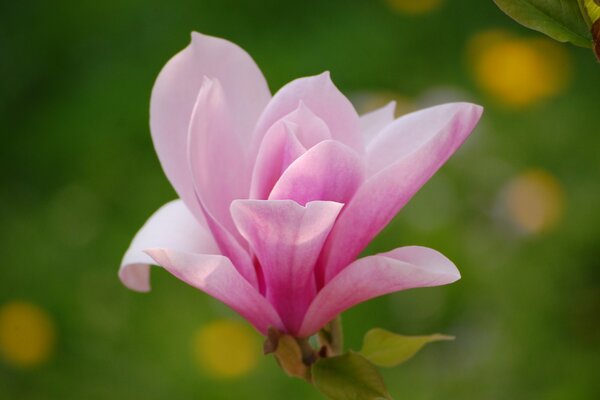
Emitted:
<point x="562" y="20"/>
<point x="349" y="377"/>
<point x="387" y="349"/>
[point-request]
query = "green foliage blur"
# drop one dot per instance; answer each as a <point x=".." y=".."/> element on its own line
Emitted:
<point x="79" y="177"/>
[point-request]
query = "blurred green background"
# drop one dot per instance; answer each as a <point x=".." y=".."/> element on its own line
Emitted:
<point x="516" y="208"/>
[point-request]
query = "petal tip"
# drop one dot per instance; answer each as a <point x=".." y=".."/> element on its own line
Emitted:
<point x="135" y="277"/>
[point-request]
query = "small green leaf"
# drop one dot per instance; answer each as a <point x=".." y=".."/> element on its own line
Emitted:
<point x="349" y="377"/>
<point x="592" y="10"/>
<point x="387" y="349"/>
<point x="562" y="20"/>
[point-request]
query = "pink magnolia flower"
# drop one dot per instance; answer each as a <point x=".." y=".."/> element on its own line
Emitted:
<point x="278" y="195"/>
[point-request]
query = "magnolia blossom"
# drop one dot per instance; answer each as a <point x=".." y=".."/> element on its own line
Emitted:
<point x="278" y="195"/>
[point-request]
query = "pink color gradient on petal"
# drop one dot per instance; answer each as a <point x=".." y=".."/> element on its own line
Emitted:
<point x="279" y="195"/>
<point x="173" y="225"/>
<point x="287" y="239"/>
<point x="394" y="181"/>
<point x="400" y="269"/>
<point x="328" y="171"/>
<point x="286" y="140"/>
<point x="324" y="99"/>
<point x="175" y="93"/>
<point x="216" y="276"/>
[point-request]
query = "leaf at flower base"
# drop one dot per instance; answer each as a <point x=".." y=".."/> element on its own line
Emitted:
<point x="349" y="377"/>
<point x="387" y="349"/>
<point x="562" y="20"/>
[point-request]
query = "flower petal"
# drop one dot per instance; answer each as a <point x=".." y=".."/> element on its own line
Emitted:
<point x="285" y="141"/>
<point x="324" y="99"/>
<point x="433" y="135"/>
<point x="287" y="239"/>
<point x="219" y="171"/>
<point x="217" y="160"/>
<point x="415" y="131"/>
<point x="372" y="123"/>
<point x="175" y="92"/>
<point x="369" y="277"/>
<point x="329" y="171"/>
<point x="216" y="276"/>
<point x="173" y="225"/>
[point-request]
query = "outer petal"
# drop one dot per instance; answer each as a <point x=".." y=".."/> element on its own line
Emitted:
<point x="219" y="171"/>
<point x="400" y="269"/>
<point x="412" y="132"/>
<point x="216" y="276"/>
<point x="285" y="141"/>
<point x="328" y="171"/>
<point x="434" y="135"/>
<point x="175" y="93"/>
<point x="172" y="226"/>
<point x="322" y="97"/>
<point x="372" y="123"/>
<point x="287" y="239"/>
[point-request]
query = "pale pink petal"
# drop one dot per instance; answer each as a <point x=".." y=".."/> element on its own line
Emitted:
<point x="435" y="135"/>
<point x="311" y="128"/>
<point x="220" y="171"/>
<point x="369" y="277"/>
<point x="372" y="123"/>
<point x="175" y="93"/>
<point x="216" y="276"/>
<point x="218" y="163"/>
<point x="411" y="132"/>
<point x="287" y="239"/>
<point x="173" y="225"/>
<point x="321" y="96"/>
<point x="328" y="171"/>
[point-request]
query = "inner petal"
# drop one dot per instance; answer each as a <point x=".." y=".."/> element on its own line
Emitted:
<point x="285" y="141"/>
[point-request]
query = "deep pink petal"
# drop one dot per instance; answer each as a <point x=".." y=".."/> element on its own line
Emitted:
<point x="329" y="171"/>
<point x="287" y="239"/>
<point x="372" y="123"/>
<point x="175" y="92"/>
<point x="435" y="134"/>
<point x="173" y="225"/>
<point x="216" y="276"/>
<point x="369" y="277"/>
<point x="321" y="96"/>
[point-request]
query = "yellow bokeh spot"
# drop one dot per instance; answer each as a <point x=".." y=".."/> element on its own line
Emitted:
<point x="27" y="334"/>
<point x="535" y="201"/>
<point x="414" y="6"/>
<point x="226" y="348"/>
<point x="516" y="71"/>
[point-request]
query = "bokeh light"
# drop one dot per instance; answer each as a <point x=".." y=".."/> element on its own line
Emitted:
<point x="27" y="334"/>
<point x="80" y="177"/>
<point x="518" y="72"/>
<point x="226" y="348"/>
<point x="535" y="201"/>
<point x="414" y="6"/>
